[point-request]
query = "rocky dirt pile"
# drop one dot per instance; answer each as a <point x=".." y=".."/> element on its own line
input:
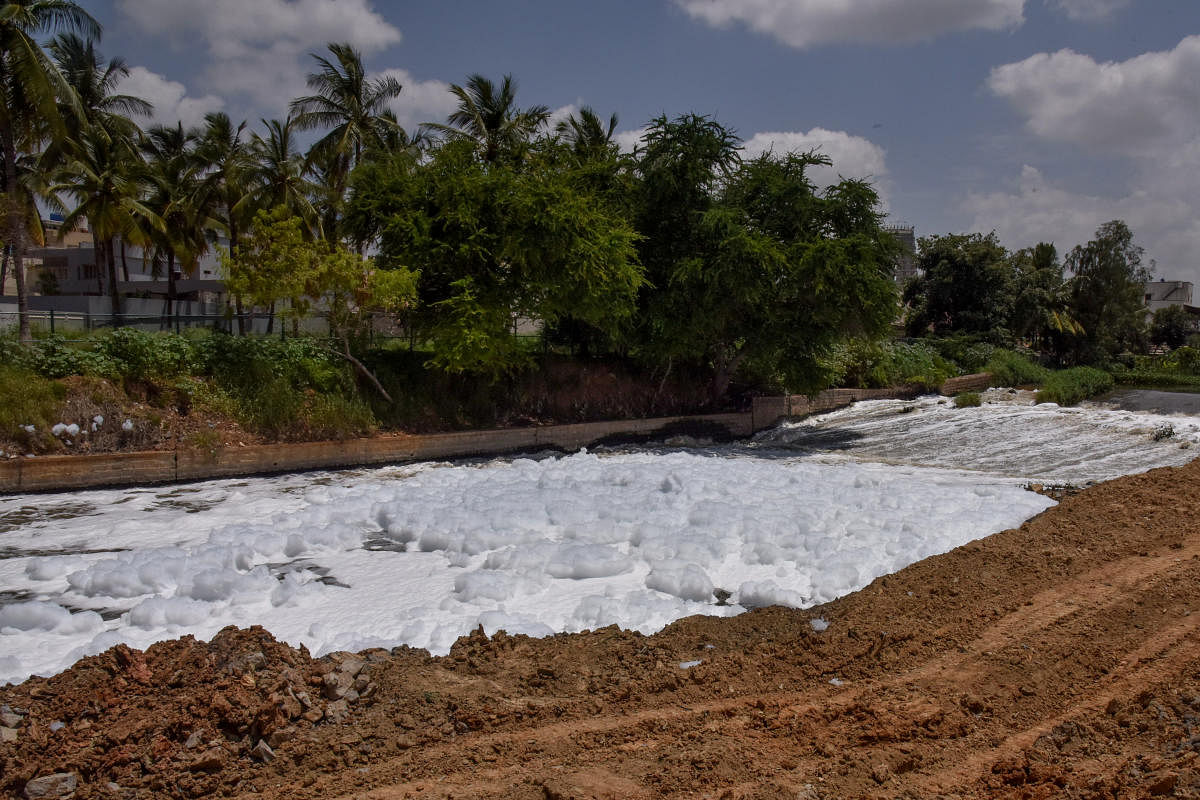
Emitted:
<point x="1058" y="660"/>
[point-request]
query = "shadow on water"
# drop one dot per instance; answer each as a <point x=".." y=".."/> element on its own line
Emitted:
<point x="812" y="438"/>
<point x="1151" y="401"/>
<point x="27" y="515"/>
<point x="35" y="552"/>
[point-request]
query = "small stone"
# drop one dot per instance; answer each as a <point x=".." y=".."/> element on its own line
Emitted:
<point x="194" y="740"/>
<point x="262" y="752"/>
<point x="361" y="683"/>
<point x="210" y="760"/>
<point x="314" y="715"/>
<point x="281" y="736"/>
<point x="60" y="784"/>
<point x="10" y="720"/>
<point x="8" y="735"/>
<point x="350" y="696"/>
<point x="337" y="711"/>
<point x="880" y="773"/>
<point x="353" y="666"/>
<point x="1162" y="784"/>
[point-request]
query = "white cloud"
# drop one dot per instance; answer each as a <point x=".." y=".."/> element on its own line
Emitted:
<point x="561" y="114"/>
<point x="1089" y="10"/>
<point x="1145" y="114"/>
<point x="420" y="101"/>
<point x="1148" y="102"/>
<point x="853" y="156"/>
<point x="628" y="141"/>
<point x="807" y="23"/>
<point x="169" y="98"/>
<point x="1036" y="210"/>
<point x="258" y="48"/>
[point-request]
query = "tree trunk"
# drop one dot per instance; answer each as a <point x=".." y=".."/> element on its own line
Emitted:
<point x="170" y="284"/>
<point x="110" y="263"/>
<point x="724" y="375"/>
<point x="15" y="229"/>
<point x="271" y="319"/>
<point x="124" y="262"/>
<point x="4" y="268"/>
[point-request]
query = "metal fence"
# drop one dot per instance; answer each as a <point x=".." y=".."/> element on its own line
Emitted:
<point x="82" y="321"/>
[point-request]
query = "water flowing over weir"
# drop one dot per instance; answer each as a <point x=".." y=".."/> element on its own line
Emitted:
<point x="639" y="537"/>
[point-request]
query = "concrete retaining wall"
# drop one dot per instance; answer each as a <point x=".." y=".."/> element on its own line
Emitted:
<point x="50" y="473"/>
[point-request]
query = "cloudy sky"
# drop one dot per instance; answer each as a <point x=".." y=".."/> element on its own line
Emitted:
<point x="1039" y="119"/>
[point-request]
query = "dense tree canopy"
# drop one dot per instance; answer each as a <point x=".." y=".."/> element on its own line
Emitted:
<point x="966" y="286"/>
<point x="496" y="244"/>
<point x="1107" y="295"/>
<point x="746" y="261"/>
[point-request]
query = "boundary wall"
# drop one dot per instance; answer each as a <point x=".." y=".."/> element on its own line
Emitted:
<point x="61" y="473"/>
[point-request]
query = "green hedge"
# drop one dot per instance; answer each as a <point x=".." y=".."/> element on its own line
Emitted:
<point x="1070" y="386"/>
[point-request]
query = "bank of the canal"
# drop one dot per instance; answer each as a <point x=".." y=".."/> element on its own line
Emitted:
<point x="58" y="473"/>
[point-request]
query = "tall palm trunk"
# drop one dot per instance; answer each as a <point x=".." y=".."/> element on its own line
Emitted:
<point x="124" y="261"/>
<point x="15" y="230"/>
<point x="4" y="268"/>
<point x="106" y="251"/>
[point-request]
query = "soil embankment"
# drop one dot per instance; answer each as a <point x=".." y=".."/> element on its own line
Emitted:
<point x="1061" y="659"/>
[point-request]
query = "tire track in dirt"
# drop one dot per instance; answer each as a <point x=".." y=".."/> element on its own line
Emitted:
<point x="1082" y="599"/>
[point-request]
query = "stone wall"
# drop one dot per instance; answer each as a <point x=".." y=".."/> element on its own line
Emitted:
<point x="50" y="473"/>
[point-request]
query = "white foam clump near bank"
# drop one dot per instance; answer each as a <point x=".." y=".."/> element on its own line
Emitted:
<point x="1044" y="442"/>
<point x="424" y="555"/>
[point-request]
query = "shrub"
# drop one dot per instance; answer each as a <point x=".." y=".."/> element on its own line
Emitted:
<point x="1013" y="369"/>
<point x="967" y="400"/>
<point x="27" y="399"/>
<point x="866" y="364"/>
<point x="1069" y="386"/>
<point x="140" y="355"/>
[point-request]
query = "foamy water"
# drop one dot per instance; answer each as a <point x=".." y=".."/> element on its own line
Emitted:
<point x="422" y="554"/>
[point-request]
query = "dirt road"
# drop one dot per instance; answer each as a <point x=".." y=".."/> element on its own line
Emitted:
<point x="1058" y="660"/>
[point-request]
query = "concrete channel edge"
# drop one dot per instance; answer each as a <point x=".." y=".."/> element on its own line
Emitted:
<point x="60" y="473"/>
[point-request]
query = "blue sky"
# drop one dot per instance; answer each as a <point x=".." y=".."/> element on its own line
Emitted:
<point x="1040" y="119"/>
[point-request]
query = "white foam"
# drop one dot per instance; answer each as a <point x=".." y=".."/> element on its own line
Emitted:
<point x="421" y="555"/>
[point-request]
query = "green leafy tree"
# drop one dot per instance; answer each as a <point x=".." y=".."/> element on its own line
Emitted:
<point x="1041" y="312"/>
<point x="488" y="116"/>
<point x="1171" y="326"/>
<point x="966" y="287"/>
<point x="278" y="261"/>
<point x="31" y="87"/>
<point x="1107" y="296"/>
<point x="495" y="244"/>
<point x="748" y="262"/>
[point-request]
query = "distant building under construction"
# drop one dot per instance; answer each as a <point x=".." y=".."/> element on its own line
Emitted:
<point x="906" y="262"/>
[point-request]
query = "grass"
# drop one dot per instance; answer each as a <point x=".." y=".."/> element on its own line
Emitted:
<point x="1070" y="386"/>
<point x="1010" y="368"/>
<point x="27" y="399"/>
<point x="967" y="400"/>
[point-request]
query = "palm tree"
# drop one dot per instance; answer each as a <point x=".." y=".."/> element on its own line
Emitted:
<point x="95" y="83"/>
<point x="101" y="174"/>
<point x="177" y="198"/>
<point x="227" y="156"/>
<point x="99" y="111"/>
<point x="353" y="106"/>
<point x="587" y="134"/>
<point x="489" y="117"/>
<point x="29" y="114"/>
<point x="277" y="173"/>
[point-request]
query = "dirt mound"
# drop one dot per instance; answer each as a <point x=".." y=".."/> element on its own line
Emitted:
<point x="1061" y="659"/>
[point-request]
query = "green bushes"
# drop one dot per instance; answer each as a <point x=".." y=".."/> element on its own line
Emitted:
<point x="28" y="400"/>
<point x="967" y="400"/>
<point x="1070" y="386"/>
<point x="1013" y="369"/>
<point x="865" y="364"/>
